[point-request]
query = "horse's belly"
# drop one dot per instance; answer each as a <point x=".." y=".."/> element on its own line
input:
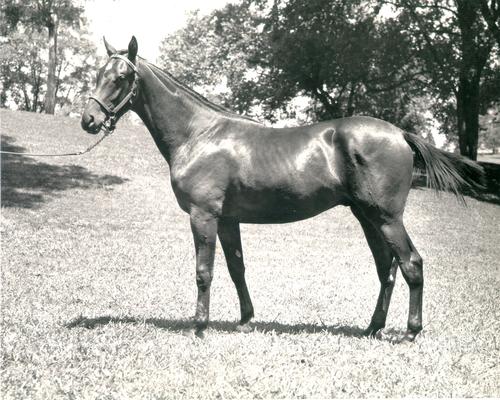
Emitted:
<point x="279" y="205"/>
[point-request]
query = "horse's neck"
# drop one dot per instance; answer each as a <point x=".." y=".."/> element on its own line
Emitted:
<point x="171" y="115"/>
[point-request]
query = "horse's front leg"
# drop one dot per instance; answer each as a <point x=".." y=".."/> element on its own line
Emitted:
<point x="204" y="228"/>
<point x="230" y="239"/>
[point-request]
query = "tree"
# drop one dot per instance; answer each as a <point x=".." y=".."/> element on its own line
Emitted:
<point x="49" y="14"/>
<point x="23" y="70"/>
<point x="75" y="70"/>
<point x="491" y="14"/>
<point x="348" y="59"/>
<point x="452" y="39"/>
<point x="213" y="54"/>
<point x="339" y="53"/>
<point x="267" y="57"/>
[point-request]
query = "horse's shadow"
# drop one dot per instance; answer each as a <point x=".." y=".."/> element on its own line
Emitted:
<point x="183" y="325"/>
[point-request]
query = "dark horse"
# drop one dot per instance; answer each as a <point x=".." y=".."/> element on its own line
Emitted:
<point x="227" y="169"/>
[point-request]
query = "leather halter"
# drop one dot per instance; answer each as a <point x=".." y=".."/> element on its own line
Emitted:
<point x="110" y="109"/>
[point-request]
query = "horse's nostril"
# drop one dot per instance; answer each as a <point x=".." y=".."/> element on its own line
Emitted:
<point x="87" y="121"/>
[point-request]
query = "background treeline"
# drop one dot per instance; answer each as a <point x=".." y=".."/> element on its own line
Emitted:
<point x="47" y="57"/>
<point x="423" y="65"/>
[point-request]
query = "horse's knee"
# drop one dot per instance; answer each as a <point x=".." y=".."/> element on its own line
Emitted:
<point x="203" y="278"/>
<point x="413" y="270"/>
<point x="416" y="260"/>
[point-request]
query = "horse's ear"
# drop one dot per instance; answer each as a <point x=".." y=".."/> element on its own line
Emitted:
<point x="110" y="49"/>
<point x="132" y="49"/>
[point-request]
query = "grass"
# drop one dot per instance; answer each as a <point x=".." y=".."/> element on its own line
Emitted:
<point x="492" y="158"/>
<point x="98" y="283"/>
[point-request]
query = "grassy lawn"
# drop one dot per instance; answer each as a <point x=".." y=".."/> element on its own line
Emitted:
<point x="98" y="282"/>
<point x="492" y="158"/>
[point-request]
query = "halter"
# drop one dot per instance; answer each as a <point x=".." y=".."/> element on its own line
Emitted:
<point x="111" y="110"/>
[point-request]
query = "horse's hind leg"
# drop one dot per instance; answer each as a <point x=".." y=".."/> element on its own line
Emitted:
<point x="229" y="236"/>
<point x="411" y="266"/>
<point x="386" y="270"/>
<point x="414" y="276"/>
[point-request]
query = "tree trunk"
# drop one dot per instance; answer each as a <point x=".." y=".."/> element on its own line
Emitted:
<point x="350" y="101"/>
<point x="468" y="116"/>
<point x="50" y="96"/>
<point x="472" y="122"/>
<point x="462" y="136"/>
<point x="475" y="50"/>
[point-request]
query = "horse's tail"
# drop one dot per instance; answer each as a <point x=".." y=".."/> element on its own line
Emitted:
<point x="445" y="171"/>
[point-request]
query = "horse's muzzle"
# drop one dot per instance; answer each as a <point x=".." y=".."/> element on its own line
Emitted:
<point x="92" y="122"/>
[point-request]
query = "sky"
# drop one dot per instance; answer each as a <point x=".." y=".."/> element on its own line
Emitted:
<point x="149" y="20"/>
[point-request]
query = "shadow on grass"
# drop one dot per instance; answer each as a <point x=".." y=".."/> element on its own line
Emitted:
<point x="182" y="325"/>
<point x="27" y="182"/>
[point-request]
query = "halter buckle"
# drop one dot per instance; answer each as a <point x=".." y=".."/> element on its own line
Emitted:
<point x="110" y="123"/>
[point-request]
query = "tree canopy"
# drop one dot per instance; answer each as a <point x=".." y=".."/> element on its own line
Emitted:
<point x="46" y="54"/>
<point x="420" y="59"/>
<point x="453" y="41"/>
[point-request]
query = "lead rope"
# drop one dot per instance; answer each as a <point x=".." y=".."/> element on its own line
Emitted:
<point x="107" y="133"/>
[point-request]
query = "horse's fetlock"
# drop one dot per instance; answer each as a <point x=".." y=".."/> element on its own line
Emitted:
<point x="414" y="326"/>
<point x="201" y="323"/>
<point x="378" y="322"/>
<point x="246" y="316"/>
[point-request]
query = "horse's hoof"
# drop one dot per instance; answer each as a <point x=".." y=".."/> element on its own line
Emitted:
<point x="372" y="331"/>
<point x="188" y="332"/>
<point x="193" y="332"/>
<point x="200" y="333"/>
<point x="244" y="328"/>
<point x="409" y="337"/>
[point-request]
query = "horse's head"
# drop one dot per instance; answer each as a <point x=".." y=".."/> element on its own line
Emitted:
<point x="115" y="91"/>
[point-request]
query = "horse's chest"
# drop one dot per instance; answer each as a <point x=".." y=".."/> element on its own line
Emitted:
<point x="201" y="184"/>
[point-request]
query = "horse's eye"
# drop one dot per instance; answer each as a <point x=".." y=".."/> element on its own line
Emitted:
<point x="121" y="77"/>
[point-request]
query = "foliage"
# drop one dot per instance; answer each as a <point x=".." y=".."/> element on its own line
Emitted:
<point x="491" y="14"/>
<point x="76" y="69"/>
<point x="350" y="64"/>
<point x="213" y="53"/>
<point x="38" y="13"/>
<point x="22" y="70"/>
<point x="267" y="57"/>
<point x="346" y="57"/>
<point x="40" y="71"/>
<point x="453" y="42"/>
<point x="23" y="74"/>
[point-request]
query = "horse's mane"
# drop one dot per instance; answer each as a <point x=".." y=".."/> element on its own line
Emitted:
<point x="166" y="77"/>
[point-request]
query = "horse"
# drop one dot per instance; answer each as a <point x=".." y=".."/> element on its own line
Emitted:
<point x="227" y="169"/>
